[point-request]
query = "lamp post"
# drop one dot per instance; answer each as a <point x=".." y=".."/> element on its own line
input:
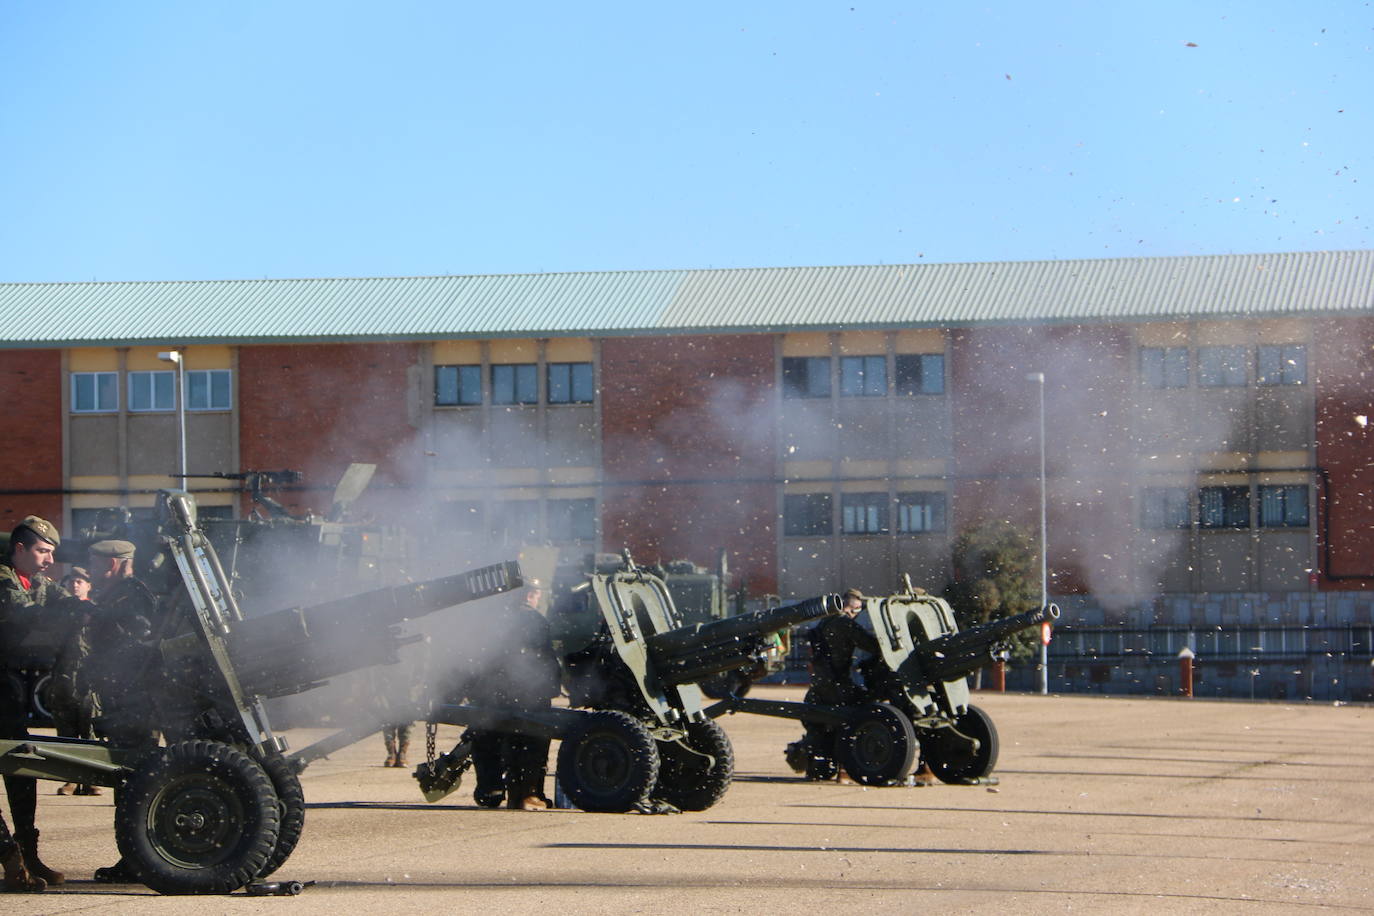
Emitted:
<point x="174" y="356"/>
<point x="1039" y="379"/>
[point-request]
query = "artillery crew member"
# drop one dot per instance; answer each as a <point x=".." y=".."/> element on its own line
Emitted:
<point x="73" y="703"/>
<point x="521" y="672"/>
<point x="122" y="631"/>
<point x="834" y="642"/>
<point x="29" y="601"/>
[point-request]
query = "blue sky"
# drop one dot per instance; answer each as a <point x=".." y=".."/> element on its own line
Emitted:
<point x="151" y="140"/>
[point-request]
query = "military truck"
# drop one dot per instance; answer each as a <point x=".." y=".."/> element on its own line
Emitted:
<point x="637" y="733"/>
<point x="221" y="805"/>
<point x="917" y="696"/>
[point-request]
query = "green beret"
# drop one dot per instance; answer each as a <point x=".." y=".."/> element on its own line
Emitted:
<point x="41" y="527"/>
<point x="113" y="550"/>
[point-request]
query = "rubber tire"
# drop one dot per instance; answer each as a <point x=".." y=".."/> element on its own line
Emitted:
<point x="683" y="785"/>
<point x="225" y="788"/>
<point x="290" y="811"/>
<point x="727" y="683"/>
<point x="950" y="768"/>
<point x="608" y="763"/>
<point x="877" y="747"/>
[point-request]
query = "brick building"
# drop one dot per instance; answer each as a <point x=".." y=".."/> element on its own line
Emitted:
<point x="1207" y="443"/>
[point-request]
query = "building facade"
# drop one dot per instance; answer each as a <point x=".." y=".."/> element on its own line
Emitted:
<point x="1206" y="419"/>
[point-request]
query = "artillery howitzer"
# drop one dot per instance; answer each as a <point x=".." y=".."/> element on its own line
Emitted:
<point x="221" y="805"/>
<point x="917" y="692"/>
<point x="638" y="730"/>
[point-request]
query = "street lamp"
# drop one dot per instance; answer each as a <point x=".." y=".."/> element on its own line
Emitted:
<point x="1039" y="379"/>
<point x="174" y="356"/>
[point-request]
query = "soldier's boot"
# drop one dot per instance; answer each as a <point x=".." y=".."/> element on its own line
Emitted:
<point x="17" y="876"/>
<point x="118" y="873"/>
<point x="390" y="751"/>
<point x="28" y="842"/>
<point x="844" y="778"/>
<point x="69" y="788"/>
<point x="88" y="790"/>
<point x="402" y="747"/>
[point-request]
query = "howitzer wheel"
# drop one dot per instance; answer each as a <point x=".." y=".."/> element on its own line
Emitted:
<point x="290" y="811"/>
<point x="950" y="758"/>
<point x="198" y="817"/>
<point x="682" y="781"/>
<point x="609" y="763"/>
<point x="878" y="747"/>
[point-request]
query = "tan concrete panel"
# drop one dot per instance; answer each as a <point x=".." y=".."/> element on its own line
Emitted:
<point x="919" y="340"/>
<point x="569" y="350"/>
<point x="806" y="344"/>
<point x="1162" y="334"/>
<point x="863" y="343"/>
<point x="513" y="351"/>
<point x="457" y="352"/>
<point x="92" y="359"/>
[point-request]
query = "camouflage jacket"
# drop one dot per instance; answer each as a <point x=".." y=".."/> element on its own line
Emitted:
<point x="34" y="621"/>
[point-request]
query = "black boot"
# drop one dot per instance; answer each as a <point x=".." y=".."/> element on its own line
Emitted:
<point x="118" y="873"/>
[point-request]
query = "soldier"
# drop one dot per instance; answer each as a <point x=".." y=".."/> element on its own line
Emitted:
<point x="74" y="705"/>
<point x="834" y="642"/>
<point x="521" y="672"/>
<point x="28" y="603"/>
<point x="123" y="658"/>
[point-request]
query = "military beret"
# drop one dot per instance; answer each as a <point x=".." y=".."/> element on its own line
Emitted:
<point x="77" y="572"/>
<point x="114" y="550"/>
<point x="41" y="527"/>
<point x="853" y="593"/>
<point x="534" y="583"/>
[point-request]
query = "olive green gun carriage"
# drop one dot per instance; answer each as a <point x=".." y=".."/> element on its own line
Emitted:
<point x="917" y="696"/>
<point x="221" y="805"/>
<point x="637" y="732"/>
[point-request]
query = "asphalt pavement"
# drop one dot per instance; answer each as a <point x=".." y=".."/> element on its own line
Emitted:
<point x="1104" y="805"/>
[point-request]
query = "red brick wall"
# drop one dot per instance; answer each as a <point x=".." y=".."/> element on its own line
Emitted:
<point x="689" y="451"/>
<point x="996" y="424"/>
<point x="318" y="407"/>
<point x="1342" y="364"/>
<point x="31" y="390"/>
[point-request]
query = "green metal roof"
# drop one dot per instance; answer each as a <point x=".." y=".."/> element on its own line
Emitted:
<point x="685" y="301"/>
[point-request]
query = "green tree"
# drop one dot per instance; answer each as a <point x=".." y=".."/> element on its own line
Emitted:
<point x="996" y="574"/>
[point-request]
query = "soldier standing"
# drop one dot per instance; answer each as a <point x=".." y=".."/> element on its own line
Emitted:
<point x="834" y="642"/>
<point x="520" y="673"/>
<point x="27" y="597"/>
<point x="124" y="657"/>
<point x="74" y="704"/>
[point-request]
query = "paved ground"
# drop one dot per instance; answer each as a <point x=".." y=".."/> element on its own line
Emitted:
<point x="1105" y="805"/>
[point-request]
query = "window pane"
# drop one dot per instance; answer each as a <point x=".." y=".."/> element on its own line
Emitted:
<point x="83" y="391"/>
<point x="1164" y="507"/>
<point x="152" y="390"/>
<point x="864" y="513"/>
<point x="806" y="515"/>
<point x="806" y="376"/>
<point x="445" y="384"/>
<point x="863" y="376"/>
<point x="1224" y="507"/>
<point x="1283" y="506"/>
<point x="584" y="392"/>
<point x="918" y="512"/>
<point x="197" y="391"/>
<point x="1221" y="366"/>
<point x="458" y="385"/>
<point x="219" y="390"/>
<point x="1283" y="365"/>
<point x="572" y="520"/>
<point x="570" y="383"/>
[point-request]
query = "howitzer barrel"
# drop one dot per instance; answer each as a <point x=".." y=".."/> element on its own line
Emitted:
<point x="759" y="623"/>
<point x="960" y="654"/>
<point x="290" y="649"/>
<point x="694" y="652"/>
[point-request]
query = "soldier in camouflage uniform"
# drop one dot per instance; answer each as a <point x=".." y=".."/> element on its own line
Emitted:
<point x="520" y="671"/>
<point x="125" y="657"/>
<point x="73" y="704"/>
<point x="30" y="606"/>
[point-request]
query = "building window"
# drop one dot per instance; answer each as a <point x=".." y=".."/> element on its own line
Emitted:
<point x="806" y="515"/>
<point x="863" y="376"/>
<point x="1164" y="367"/>
<point x="152" y="391"/>
<point x="1283" y="506"/>
<point x="457" y="385"/>
<point x="95" y="392"/>
<point x="572" y="520"/>
<point x="570" y="383"/>
<point x="515" y="523"/>
<point x="1221" y="367"/>
<point x="1224" y="507"/>
<point x="922" y="373"/>
<point x="1283" y="365"/>
<point x="863" y="513"/>
<point x="208" y="389"/>
<point x="514" y="383"/>
<point x="806" y="376"/>
<point x="1164" y="507"/>
<point x="920" y="512"/>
